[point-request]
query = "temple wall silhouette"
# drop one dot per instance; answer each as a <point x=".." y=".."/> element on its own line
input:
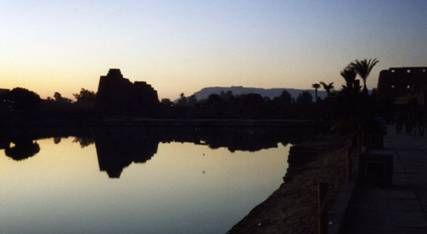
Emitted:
<point x="117" y="95"/>
<point x="3" y="103"/>
<point x="403" y="81"/>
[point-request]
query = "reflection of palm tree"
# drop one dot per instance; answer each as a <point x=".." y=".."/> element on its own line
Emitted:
<point x="327" y="87"/>
<point x="363" y="68"/>
<point x="315" y="86"/>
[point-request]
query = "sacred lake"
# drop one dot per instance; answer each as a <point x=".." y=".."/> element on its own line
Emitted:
<point x="191" y="180"/>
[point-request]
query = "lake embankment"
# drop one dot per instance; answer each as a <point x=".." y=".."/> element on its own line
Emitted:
<point x="145" y="122"/>
<point x="329" y="163"/>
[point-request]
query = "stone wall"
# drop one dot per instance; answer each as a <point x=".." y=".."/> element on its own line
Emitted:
<point x="403" y="81"/>
<point x="118" y="96"/>
<point x="293" y="207"/>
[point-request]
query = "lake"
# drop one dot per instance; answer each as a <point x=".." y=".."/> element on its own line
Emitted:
<point x="135" y="184"/>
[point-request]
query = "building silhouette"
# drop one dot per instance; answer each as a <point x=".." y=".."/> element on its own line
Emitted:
<point x="403" y="83"/>
<point x="118" y="96"/>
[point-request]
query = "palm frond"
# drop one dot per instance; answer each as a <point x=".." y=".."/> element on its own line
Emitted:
<point x="363" y="68"/>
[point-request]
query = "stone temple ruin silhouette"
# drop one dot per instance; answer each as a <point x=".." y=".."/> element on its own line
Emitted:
<point x="404" y="83"/>
<point x="118" y="96"/>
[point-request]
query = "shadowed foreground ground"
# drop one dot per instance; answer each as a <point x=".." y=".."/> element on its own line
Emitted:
<point x="400" y="208"/>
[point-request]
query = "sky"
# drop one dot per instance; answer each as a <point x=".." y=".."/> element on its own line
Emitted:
<point x="183" y="46"/>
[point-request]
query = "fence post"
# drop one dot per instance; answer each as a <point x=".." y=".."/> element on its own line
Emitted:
<point x="322" y="210"/>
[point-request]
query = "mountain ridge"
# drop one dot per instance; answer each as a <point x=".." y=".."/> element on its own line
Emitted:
<point x="265" y="92"/>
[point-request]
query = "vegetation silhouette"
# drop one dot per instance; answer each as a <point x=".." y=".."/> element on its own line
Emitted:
<point x="121" y="101"/>
<point x="316" y="87"/>
<point x="352" y="84"/>
<point x="363" y="68"/>
<point x="304" y="99"/>
<point x="246" y="106"/>
<point x="352" y="107"/>
<point x="327" y="87"/>
<point x="22" y="101"/>
<point x="85" y="98"/>
<point x="61" y="100"/>
<point x="118" y="97"/>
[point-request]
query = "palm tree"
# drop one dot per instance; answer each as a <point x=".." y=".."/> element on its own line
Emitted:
<point x="327" y="87"/>
<point x="363" y="68"/>
<point x="315" y="86"/>
<point x="349" y="75"/>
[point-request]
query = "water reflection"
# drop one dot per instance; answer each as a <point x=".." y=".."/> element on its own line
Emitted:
<point x="192" y="180"/>
<point x="21" y="148"/>
<point x="117" y="148"/>
<point x="117" y="151"/>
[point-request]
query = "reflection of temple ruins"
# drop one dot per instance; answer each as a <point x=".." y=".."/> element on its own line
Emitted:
<point x="119" y="147"/>
<point x="117" y="95"/>
<point x="118" y="150"/>
<point x="403" y="84"/>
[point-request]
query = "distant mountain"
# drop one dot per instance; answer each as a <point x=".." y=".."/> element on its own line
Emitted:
<point x="238" y="90"/>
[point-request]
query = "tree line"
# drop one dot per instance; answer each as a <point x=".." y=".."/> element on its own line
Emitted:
<point x="352" y="102"/>
<point x="228" y="105"/>
<point x="21" y="103"/>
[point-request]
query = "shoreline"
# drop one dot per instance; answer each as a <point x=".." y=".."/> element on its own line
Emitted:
<point x="11" y="127"/>
<point x="292" y="208"/>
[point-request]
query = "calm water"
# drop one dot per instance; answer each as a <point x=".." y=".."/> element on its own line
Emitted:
<point x="181" y="188"/>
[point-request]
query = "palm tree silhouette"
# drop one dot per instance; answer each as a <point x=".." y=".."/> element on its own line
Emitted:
<point x="363" y="68"/>
<point x="349" y="75"/>
<point x="327" y="87"/>
<point x="315" y="86"/>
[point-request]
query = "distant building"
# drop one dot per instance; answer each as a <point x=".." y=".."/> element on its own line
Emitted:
<point x="403" y="84"/>
<point x="118" y="96"/>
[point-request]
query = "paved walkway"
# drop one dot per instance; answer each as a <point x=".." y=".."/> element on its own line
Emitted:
<point x="401" y="208"/>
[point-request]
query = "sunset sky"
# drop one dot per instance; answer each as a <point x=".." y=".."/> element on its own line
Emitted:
<point x="183" y="46"/>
